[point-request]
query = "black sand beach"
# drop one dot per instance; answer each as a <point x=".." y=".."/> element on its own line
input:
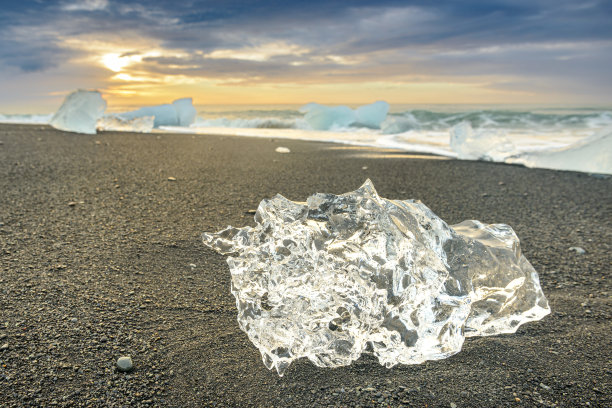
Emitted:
<point x="100" y="256"/>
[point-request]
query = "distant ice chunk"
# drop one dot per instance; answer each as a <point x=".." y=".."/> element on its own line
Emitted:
<point x="482" y="144"/>
<point x="372" y="115"/>
<point x="179" y="113"/>
<point x="342" y="275"/>
<point x="141" y="124"/>
<point x="321" y="117"/>
<point x="592" y="155"/>
<point x="79" y="112"/>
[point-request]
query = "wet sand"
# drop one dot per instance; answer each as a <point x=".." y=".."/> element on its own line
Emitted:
<point x="100" y="256"/>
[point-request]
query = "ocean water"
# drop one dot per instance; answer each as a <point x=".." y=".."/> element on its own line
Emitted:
<point x="415" y="128"/>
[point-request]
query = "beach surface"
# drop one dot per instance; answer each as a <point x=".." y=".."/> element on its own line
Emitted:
<point x="101" y="257"/>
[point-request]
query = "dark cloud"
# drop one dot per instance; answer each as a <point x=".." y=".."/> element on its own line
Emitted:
<point x="560" y="40"/>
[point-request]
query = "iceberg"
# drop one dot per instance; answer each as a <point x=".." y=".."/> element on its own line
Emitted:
<point x="342" y="275"/>
<point x="179" y="113"/>
<point x="591" y="155"/>
<point x="372" y="115"/>
<point x="483" y="144"/>
<point x="79" y="112"/>
<point x="321" y="117"/>
<point x="142" y="124"/>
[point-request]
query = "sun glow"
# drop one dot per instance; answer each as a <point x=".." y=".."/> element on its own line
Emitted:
<point x="116" y="62"/>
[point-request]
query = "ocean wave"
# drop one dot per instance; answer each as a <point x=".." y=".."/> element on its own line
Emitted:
<point x="26" y="119"/>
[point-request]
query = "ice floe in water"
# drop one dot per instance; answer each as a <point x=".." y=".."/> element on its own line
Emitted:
<point x="80" y="112"/>
<point x="179" y="113"/>
<point x="342" y="275"/>
<point x="321" y="117"/>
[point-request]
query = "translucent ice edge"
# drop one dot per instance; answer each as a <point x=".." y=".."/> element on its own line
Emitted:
<point x="342" y="275"/>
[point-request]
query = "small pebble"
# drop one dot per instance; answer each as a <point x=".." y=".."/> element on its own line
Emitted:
<point x="281" y="149"/>
<point x="72" y="203"/>
<point x="578" y="250"/>
<point x="124" y="364"/>
<point x="5" y="346"/>
<point x="171" y="178"/>
<point x="364" y="168"/>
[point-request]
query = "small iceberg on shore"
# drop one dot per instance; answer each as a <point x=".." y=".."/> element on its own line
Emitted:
<point x="479" y="145"/>
<point x="321" y="117"/>
<point x="79" y="112"/>
<point x="178" y="113"/>
<point x="83" y="112"/>
<point x="590" y="155"/>
<point x="338" y="276"/>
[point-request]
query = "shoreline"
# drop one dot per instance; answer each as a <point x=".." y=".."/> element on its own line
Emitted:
<point x="99" y="235"/>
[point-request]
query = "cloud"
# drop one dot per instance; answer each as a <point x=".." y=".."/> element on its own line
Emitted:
<point x="526" y="42"/>
<point x="85" y="5"/>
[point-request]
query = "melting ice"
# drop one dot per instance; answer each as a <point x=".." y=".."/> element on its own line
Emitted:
<point x="343" y="275"/>
<point x="83" y="112"/>
<point x="562" y="139"/>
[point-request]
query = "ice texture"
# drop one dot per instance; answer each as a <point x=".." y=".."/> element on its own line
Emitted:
<point x="342" y="275"/>
<point x="179" y="113"/>
<point x="592" y="155"/>
<point x="321" y="117"/>
<point x="79" y="112"/>
<point x="483" y="144"/>
<point x="142" y="124"/>
<point x="372" y="115"/>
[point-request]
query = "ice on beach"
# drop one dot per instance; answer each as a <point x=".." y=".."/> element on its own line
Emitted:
<point x="142" y="124"/>
<point x="591" y="155"/>
<point x="179" y="113"/>
<point x="342" y="275"/>
<point x="79" y="112"/>
<point x="321" y="117"/>
<point x="482" y="144"/>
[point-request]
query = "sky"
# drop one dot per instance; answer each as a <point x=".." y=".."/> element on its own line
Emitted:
<point x="140" y="52"/>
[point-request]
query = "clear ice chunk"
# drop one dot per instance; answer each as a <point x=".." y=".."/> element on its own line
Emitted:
<point x="342" y="275"/>
<point x="79" y="112"/>
<point x="482" y="144"/>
